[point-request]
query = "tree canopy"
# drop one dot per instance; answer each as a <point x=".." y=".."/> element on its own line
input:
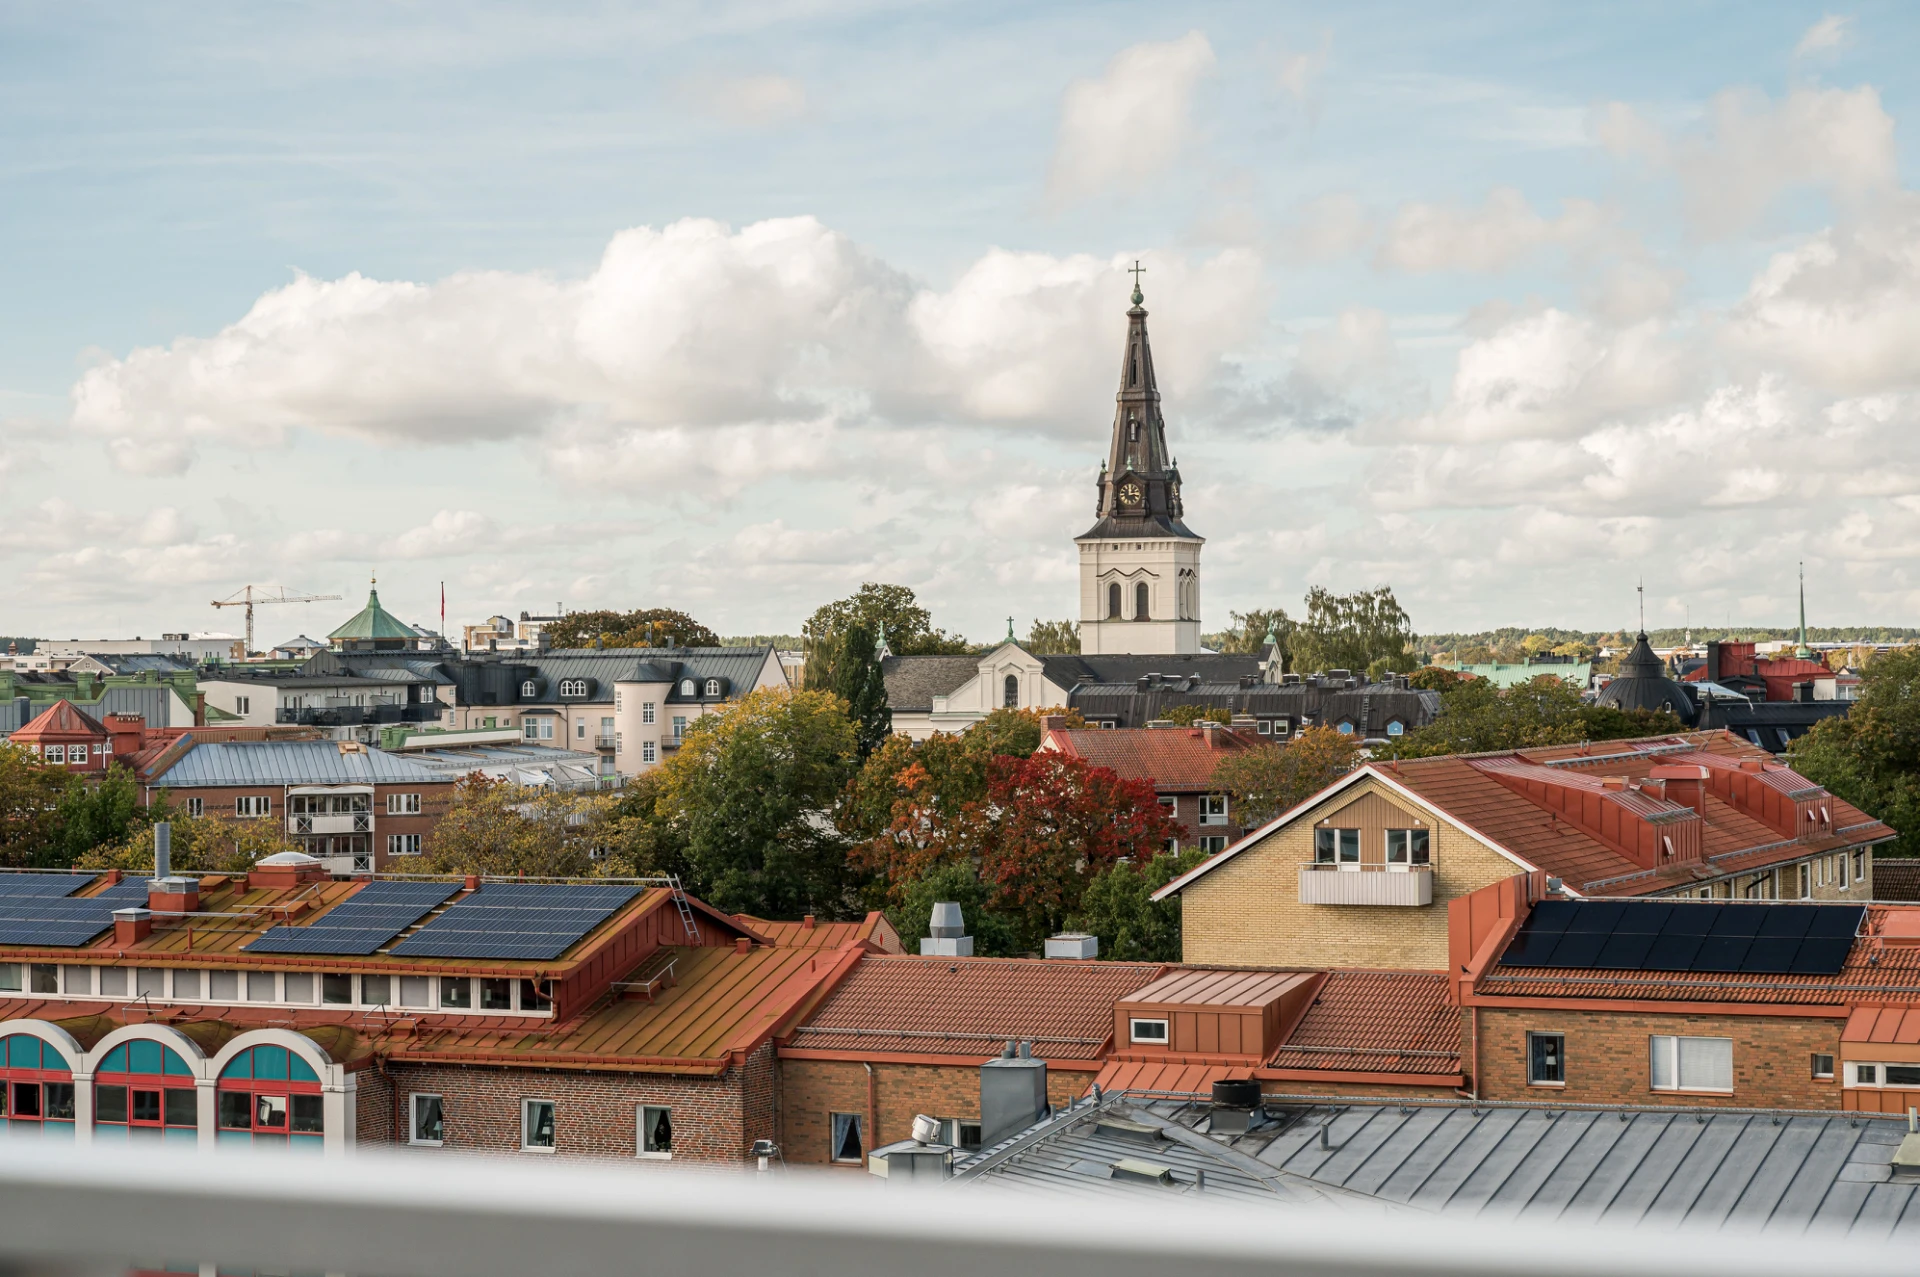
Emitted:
<point x="1477" y="717"/>
<point x="1871" y="757"/>
<point x="1266" y="781"/>
<point x="857" y="679"/>
<point x="498" y="829"/>
<point x="197" y="844"/>
<point x="647" y="627"/>
<point x="1118" y="907"/>
<point x="1053" y="638"/>
<point x="1249" y="631"/>
<point x="1366" y="632"/>
<point x="889" y="611"/>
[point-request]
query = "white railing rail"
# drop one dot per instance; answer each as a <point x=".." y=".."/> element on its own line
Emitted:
<point x="71" y="1210"/>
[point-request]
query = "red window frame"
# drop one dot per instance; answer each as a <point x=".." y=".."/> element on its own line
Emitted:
<point x="257" y="1116"/>
<point x="12" y="1079"/>
<point x="146" y="1082"/>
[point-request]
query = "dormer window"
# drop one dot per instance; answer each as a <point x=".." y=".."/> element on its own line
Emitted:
<point x="529" y="689"/>
<point x="686" y="687"/>
<point x="713" y="687"/>
<point x="573" y="687"/>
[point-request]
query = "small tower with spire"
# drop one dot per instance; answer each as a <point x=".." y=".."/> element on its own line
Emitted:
<point x="1804" y="652"/>
<point x="1139" y="562"/>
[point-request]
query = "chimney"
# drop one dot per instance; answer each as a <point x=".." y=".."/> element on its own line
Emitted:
<point x="742" y="945"/>
<point x="131" y="926"/>
<point x="1073" y="944"/>
<point x="1234" y="1103"/>
<point x="1685" y="783"/>
<point x="163" y="849"/>
<point x="922" y="1158"/>
<point x="1053" y="723"/>
<point x="1713" y="660"/>
<point x="1013" y="1094"/>
<point x="1210" y="730"/>
<point x="948" y="938"/>
<point x="1803" y="692"/>
<point x="809" y="922"/>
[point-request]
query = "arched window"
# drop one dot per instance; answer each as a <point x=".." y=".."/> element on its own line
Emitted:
<point x="270" y="1095"/>
<point x="1140" y="601"/>
<point x="686" y="687"/>
<point x="573" y="687"/>
<point x="145" y="1091"/>
<point x="1011" y="698"/>
<point x="1113" y="601"/>
<point x="529" y="689"/>
<point x="39" y="1087"/>
<point x="713" y="687"/>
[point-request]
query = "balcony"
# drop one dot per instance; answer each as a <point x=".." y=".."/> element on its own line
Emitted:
<point x="358" y="715"/>
<point x="355" y="823"/>
<point x="1323" y="884"/>
<point x="604" y="742"/>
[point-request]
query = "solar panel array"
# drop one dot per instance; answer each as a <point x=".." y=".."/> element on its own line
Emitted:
<point x="535" y="921"/>
<point x="363" y="922"/>
<point x="53" y="919"/>
<point x="1655" y="935"/>
<point x="43" y="884"/>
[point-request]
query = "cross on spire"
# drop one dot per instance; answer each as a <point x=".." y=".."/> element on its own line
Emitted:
<point x="1137" y="270"/>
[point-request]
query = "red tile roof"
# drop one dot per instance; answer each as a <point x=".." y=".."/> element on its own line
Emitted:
<point x="1377" y="1022"/>
<point x="971" y="1007"/>
<point x="1171" y="757"/>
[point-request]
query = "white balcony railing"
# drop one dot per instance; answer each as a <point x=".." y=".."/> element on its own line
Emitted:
<point x="95" y="1210"/>
<point x="1406" y="885"/>
<point x="357" y="823"/>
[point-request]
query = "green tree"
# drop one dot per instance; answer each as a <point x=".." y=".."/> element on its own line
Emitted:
<point x="197" y="844"/>
<point x="31" y="834"/>
<point x="497" y="829"/>
<point x="1364" y="631"/>
<point x="632" y="837"/>
<point x="1118" y="907"/>
<point x="1871" y="757"/>
<point x="99" y="813"/>
<point x="993" y="935"/>
<point x="1433" y="678"/>
<point x="1050" y="638"/>
<point x="751" y="794"/>
<point x="1250" y="629"/>
<point x="1270" y="779"/>
<point x="888" y="610"/>
<point x="1188" y="715"/>
<point x="1477" y="717"/>
<point x="647" y="627"/>
<point x="858" y="680"/>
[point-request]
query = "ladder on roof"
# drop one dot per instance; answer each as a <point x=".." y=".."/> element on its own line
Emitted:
<point x="686" y="910"/>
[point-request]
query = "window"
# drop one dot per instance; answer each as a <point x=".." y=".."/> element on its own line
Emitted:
<point x="1140" y="601"/>
<point x="376" y="990"/>
<point x="1842" y="859"/>
<point x="1823" y="1066"/>
<point x="1407" y="847"/>
<point x="1546" y="1059"/>
<point x="416" y="991"/>
<point x="9" y="977"/>
<point x="223" y="986"/>
<point x="573" y="687"/>
<point x="43" y="977"/>
<point x="1266" y="726"/>
<point x="656" y="1132"/>
<point x="1396" y="728"/>
<point x="196" y="807"/>
<point x="1806" y="882"/>
<point x="429" y="1122"/>
<point x="686" y="687"/>
<point x="55" y="753"/>
<point x="243" y="704"/>
<point x="1153" y="1031"/>
<point x="1213" y="809"/>
<point x="186" y="983"/>
<point x="253" y="805"/>
<point x="713" y="687"/>
<point x="336" y="989"/>
<point x="36" y="1086"/>
<point x="269" y="1095"/>
<point x="529" y="689"/>
<point x="1344" y="728"/>
<point x="646" y="712"/>
<point x="496" y="994"/>
<point x="260" y="986"/>
<point x="1690" y="1064"/>
<point x="1280" y="727"/>
<point x="1010" y="692"/>
<point x="403" y="804"/>
<point x="580" y="729"/>
<point x="679" y="727"/>
<point x="1336" y="846"/>
<point x="403" y="844"/>
<point x="647" y="751"/>
<point x="1113" y="601"/>
<point x="144" y="1091"/>
<point x="536" y="1126"/>
<point x="1866" y="1075"/>
<point x="849" y="1142"/>
<point x="1859" y="866"/>
<point x="1212" y="843"/>
<point x="456" y="991"/>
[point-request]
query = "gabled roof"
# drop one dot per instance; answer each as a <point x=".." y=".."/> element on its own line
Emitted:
<point x="1170" y="757"/>
<point x="913" y="681"/>
<point x="63" y="720"/>
<point x="291" y="762"/>
<point x="969" y="1008"/>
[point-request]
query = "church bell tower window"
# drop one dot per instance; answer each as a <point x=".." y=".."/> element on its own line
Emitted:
<point x="1140" y="601"/>
<point x="1113" y="601"/>
<point x="1012" y="696"/>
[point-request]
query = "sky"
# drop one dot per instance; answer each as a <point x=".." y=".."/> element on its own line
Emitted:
<point x="730" y="307"/>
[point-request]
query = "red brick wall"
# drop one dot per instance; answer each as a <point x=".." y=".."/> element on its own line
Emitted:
<point x="373" y="1114"/>
<point x="1607" y="1058"/>
<point x="811" y="1091"/>
<point x="714" y="1119"/>
<point x="435" y="797"/>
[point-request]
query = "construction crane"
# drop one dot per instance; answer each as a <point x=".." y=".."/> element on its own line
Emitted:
<point x="249" y="595"/>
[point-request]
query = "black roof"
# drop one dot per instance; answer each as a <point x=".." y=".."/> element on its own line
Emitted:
<point x="1643" y="684"/>
<point x="1369" y="707"/>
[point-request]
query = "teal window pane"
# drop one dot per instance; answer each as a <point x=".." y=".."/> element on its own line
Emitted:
<point x="270" y="1062"/>
<point x="105" y="1134"/>
<point x="240" y="1065"/>
<point x="143" y="1057"/>
<point x="58" y="1130"/>
<point x="308" y="1143"/>
<point x="185" y="1136"/>
<point x="116" y="1061"/>
<point x="302" y="1071"/>
<point x="243" y="1139"/>
<point x="23" y="1051"/>
<point x="175" y="1065"/>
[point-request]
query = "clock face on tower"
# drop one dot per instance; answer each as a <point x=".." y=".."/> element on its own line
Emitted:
<point x="1130" y="493"/>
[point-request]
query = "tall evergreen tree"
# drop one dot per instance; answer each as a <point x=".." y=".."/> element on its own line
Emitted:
<point x="858" y="681"/>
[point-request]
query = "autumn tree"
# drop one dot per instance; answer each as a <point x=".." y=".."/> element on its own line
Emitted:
<point x="749" y="796"/>
<point x="1434" y="678"/>
<point x="1050" y="638"/>
<point x="889" y="611"/>
<point x="501" y="830"/>
<point x="1188" y="715"/>
<point x="196" y="845"/>
<point x="1871" y="756"/>
<point x="1270" y="779"/>
<point x="632" y="835"/>
<point x="1366" y="632"/>
<point x="646" y="627"/>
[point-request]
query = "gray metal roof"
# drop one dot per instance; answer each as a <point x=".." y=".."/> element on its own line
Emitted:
<point x="290" y="762"/>
<point x="153" y="703"/>
<point x="540" y="766"/>
<point x="1791" y="1171"/>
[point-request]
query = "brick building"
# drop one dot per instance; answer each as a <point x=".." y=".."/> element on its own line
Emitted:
<point x="1178" y="762"/>
<point x="1359" y="875"/>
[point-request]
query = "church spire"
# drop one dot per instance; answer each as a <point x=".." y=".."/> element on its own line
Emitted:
<point x="1139" y="485"/>
<point x="1804" y="652"/>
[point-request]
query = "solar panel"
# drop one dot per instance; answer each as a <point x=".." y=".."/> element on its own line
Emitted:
<point x="1626" y="935"/>
<point x="517" y="920"/>
<point x="43" y="884"/>
<point x="363" y="922"/>
<point x="64" y="921"/>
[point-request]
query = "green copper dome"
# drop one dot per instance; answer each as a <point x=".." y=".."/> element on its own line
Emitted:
<point x="374" y="622"/>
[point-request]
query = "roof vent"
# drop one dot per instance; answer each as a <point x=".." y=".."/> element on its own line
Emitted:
<point x="1234" y="1103"/>
<point x="1073" y="944"/>
<point x="351" y="747"/>
<point x="1128" y="1129"/>
<point x="947" y="936"/>
<point x="288" y="860"/>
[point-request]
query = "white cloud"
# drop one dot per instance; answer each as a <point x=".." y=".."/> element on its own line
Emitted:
<point x="1131" y="122"/>
<point x="1298" y="71"/>
<point x="1754" y="149"/>
<point x="749" y="100"/>
<point x="1432" y="237"/>
<point x="1831" y="32"/>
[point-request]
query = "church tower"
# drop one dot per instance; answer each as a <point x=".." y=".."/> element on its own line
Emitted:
<point x="1139" y="564"/>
